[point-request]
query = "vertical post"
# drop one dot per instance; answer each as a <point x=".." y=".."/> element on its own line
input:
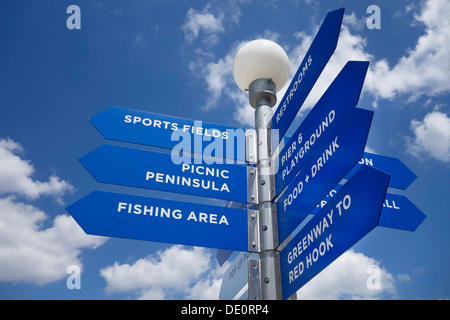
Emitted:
<point x="262" y="95"/>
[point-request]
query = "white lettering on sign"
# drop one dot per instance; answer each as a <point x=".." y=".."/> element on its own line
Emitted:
<point x="168" y="125"/>
<point x="294" y="88"/>
<point x="313" y="238"/>
<point x="390" y="204"/>
<point x="322" y="160"/>
<point x="177" y="214"/>
<point x="366" y="161"/>
<point x="315" y="168"/>
<point x="293" y="195"/>
<point x="202" y="170"/>
<point x="182" y="180"/>
<point x="302" y="150"/>
<point x="324" y="202"/>
<point x="186" y="181"/>
<point x="150" y="211"/>
<point x="207" y="218"/>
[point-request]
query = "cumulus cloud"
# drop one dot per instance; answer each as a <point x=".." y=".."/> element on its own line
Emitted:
<point x="352" y="276"/>
<point x="217" y="78"/>
<point x="423" y="70"/>
<point x="197" y="22"/>
<point x="192" y="273"/>
<point x="29" y="252"/>
<point x="16" y="175"/>
<point x="431" y="137"/>
<point x="220" y="84"/>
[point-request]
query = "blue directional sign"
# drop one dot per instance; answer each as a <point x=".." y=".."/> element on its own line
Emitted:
<point x="401" y="176"/>
<point x="323" y="121"/>
<point x="398" y="211"/>
<point x="159" y="171"/>
<point x="351" y="214"/>
<point x="169" y="132"/>
<point x="311" y="67"/>
<point x="322" y="172"/>
<point x="133" y="217"/>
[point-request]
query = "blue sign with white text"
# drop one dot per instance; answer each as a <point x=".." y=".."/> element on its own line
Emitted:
<point x="134" y="217"/>
<point x="398" y="211"/>
<point x="325" y="119"/>
<point x="401" y="176"/>
<point x="161" y="171"/>
<point x="311" y="67"/>
<point x="170" y="132"/>
<point x="322" y="172"/>
<point x="351" y="214"/>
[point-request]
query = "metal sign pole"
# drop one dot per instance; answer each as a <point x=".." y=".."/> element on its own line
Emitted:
<point x="262" y="95"/>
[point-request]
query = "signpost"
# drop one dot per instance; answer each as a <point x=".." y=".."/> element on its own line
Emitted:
<point x="158" y="130"/>
<point x="153" y="170"/>
<point x="322" y="151"/>
<point x="322" y="172"/>
<point x="311" y="67"/>
<point x="401" y="176"/>
<point x="398" y="211"/>
<point x="134" y="217"/>
<point x="351" y="214"/>
<point x="324" y="120"/>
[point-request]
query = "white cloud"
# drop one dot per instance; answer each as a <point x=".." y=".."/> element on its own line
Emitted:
<point x="205" y="22"/>
<point x="369" y="149"/>
<point x="217" y="77"/>
<point x="431" y="137"/>
<point x="139" y="40"/>
<point x="425" y="69"/>
<point x="15" y="175"/>
<point x="193" y="274"/>
<point x="28" y="252"/>
<point x="220" y="84"/>
<point x="31" y="254"/>
<point x="176" y="270"/>
<point x="347" y="278"/>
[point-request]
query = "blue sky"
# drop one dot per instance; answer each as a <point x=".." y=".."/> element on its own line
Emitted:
<point x="175" y="58"/>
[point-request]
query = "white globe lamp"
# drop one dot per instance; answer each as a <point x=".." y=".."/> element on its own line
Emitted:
<point x="260" y="59"/>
